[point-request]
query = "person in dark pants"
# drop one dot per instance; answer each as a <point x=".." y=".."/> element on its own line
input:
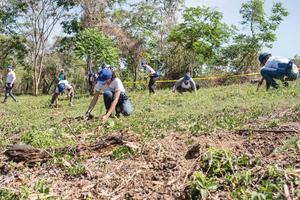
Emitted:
<point x="275" y="67"/>
<point x="115" y="98"/>
<point x="150" y="72"/>
<point x="60" y="88"/>
<point x="185" y="84"/>
<point x="104" y="75"/>
<point x="9" y="84"/>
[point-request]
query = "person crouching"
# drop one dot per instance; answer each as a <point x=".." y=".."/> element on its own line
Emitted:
<point x="115" y="98"/>
<point x="185" y="84"/>
<point x="61" y="87"/>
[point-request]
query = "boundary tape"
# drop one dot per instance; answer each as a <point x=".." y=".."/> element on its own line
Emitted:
<point x="197" y="78"/>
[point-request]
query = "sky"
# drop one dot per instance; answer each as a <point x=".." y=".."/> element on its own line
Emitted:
<point x="288" y="41"/>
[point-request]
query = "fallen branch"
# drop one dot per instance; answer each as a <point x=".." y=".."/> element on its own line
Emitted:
<point x="241" y="131"/>
<point x="28" y="154"/>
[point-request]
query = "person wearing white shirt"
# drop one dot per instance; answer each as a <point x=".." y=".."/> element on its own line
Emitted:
<point x="150" y="72"/>
<point x="104" y="75"/>
<point x="185" y="84"/>
<point x="60" y="88"/>
<point x="9" y="83"/>
<point x="115" y="98"/>
<point x="276" y="67"/>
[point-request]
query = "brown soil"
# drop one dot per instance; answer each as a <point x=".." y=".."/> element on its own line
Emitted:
<point x="161" y="169"/>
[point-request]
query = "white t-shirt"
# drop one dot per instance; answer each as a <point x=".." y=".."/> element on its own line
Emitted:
<point x="10" y="76"/>
<point x="273" y="62"/>
<point x="186" y="86"/>
<point x="116" y="85"/>
<point x="149" y="69"/>
<point x="67" y="84"/>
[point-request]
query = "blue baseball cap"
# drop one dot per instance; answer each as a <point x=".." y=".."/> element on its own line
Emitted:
<point x="104" y="75"/>
<point x="187" y="77"/>
<point x="9" y="67"/>
<point x="263" y="56"/>
<point x="61" y="87"/>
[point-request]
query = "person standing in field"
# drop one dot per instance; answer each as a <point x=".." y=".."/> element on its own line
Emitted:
<point x="150" y="72"/>
<point x="276" y="67"/>
<point x="9" y="83"/>
<point x="185" y="84"/>
<point x="60" y="88"/>
<point x="61" y="75"/>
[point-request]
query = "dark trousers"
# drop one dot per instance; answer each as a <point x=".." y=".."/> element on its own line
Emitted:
<point x="181" y="89"/>
<point x="123" y="106"/>
<point x="8" y="92"/>
<point x="151" y="85"/>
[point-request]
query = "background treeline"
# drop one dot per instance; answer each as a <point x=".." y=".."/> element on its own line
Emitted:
<point x="169" y="36"/>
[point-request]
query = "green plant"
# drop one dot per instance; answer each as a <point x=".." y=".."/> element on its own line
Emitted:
<point x="76" y="169"/>
<point x="119" y="153"/>
<point x="7" y="195"/>
<point x="24" y="192"/>
<point x="202" y="185"/>
<point x="41" y="187"/>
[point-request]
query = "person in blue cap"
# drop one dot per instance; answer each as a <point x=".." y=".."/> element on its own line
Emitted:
<point x="185" y="84"/>
<point x="150" y="72"/>
<point x="276" y="67"/>
<point x="104" y="74"/>
<point x="115" y="98"/>
<point x="9" y="83"/>
<point x="61" y="87"/>
<point x="113" y="93"/>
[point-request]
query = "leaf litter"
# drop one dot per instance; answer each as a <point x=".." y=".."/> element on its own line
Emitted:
<point x="160" y="168"/>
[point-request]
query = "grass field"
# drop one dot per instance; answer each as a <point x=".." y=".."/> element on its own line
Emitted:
<point x="212" y="112"/>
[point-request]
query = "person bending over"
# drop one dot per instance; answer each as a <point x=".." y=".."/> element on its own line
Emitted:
<point x="185" y="84"/>
<point x="115" y="98"/>
<point x="276" y="67"/>
<point x="61" y="87"/>
<point x="104" y="74"/>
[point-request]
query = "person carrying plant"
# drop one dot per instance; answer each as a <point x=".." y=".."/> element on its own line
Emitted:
<point x="9" y="83"/>
<point x="275" y="67"/>
<point x="150" y="72"/>
<point x="61" y="87"/>
<point x="185" y="84"/>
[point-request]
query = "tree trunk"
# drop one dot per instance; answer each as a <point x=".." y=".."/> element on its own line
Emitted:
<point x="90" y="70"/>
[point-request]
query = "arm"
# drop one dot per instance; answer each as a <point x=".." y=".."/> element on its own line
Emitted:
<point x="193" y="85"/>
<point x="260" y="83"/>
<point x="13" y="80"/>
<point x="177" y="84"/>
<point x="113" y="105"/>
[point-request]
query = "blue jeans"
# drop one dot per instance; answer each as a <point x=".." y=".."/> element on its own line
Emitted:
<point x="123" y="106"/>
<point x="269" y="74"/>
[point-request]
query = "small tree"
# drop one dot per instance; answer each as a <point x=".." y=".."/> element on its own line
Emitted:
<point x="96" y="45"/>
<point x="244" y="50"/>
<point x="201" y="35"/>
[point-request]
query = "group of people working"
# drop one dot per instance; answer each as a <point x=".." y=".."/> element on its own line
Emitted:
<point x="115" y="99"/>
